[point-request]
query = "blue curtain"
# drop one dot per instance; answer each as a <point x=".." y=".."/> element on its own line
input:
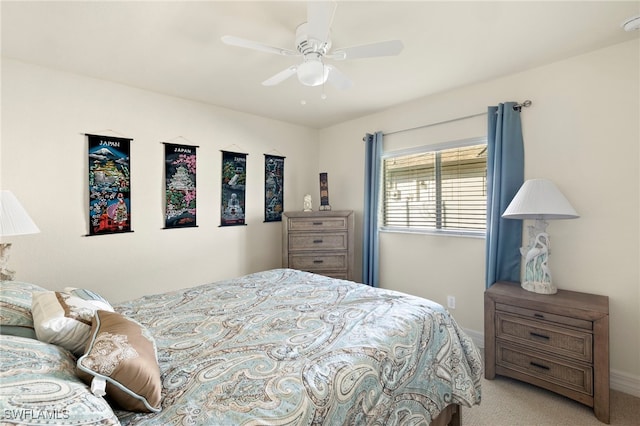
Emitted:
<point x="505" y="175"/>
<point x="370" y="247"/>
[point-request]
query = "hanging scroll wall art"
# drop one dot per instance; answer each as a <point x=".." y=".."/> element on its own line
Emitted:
<point x="273" y="188"/>
<point x="109" y="185"/>
<point x="324" y="192"/>
<point x="234" y="178"/>
<point x="180" y="186"/>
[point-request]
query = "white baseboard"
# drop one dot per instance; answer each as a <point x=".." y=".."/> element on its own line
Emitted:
<point x="625" y="382"/>
<point x="618" y="380"/>
<point x="476" y="336"/>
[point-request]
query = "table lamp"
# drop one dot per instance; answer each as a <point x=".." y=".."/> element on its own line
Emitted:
<point x="541" y="200"/>
<point x="14" y="220"/>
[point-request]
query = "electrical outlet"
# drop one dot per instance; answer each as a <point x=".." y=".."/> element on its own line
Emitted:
<point x="451" y="302"/>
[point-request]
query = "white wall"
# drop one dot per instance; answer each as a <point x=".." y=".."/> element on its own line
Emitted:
<point x="582" y="132"/>
<point x="44" y="117"/>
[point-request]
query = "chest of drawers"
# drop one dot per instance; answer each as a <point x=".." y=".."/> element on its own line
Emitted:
<point x="320" y="242"/>
<point x="559" y="342"/>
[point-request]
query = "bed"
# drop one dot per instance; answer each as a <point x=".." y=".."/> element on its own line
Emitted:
<point x="279" y="347"/>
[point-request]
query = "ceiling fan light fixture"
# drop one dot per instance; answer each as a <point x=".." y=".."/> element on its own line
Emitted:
<point x="312" y="73"/>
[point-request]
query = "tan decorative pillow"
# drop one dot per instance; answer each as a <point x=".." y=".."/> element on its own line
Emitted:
<point x="120" y="359"/>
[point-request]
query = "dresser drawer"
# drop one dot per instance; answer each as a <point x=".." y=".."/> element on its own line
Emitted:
<point x="545" y="336"/>
<point x="546" y="368"/>
<point x="317" y="223"/>
<point x="325" y="241"/>
<point x="318" y="262"/>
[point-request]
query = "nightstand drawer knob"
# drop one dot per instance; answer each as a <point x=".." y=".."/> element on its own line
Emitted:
<point x="318" y="261"/>
<point x="538" y="316"/>
<point x="317" y="223"/>
<point x="541" y="336"/>
<point x="317" y="241"/>
<point x="535" y="364"/>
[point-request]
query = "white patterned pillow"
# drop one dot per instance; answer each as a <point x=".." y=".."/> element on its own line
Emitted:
<point x="121" y="361"/>
<point x="38" y="382"/>
<point x="64" y="318"/>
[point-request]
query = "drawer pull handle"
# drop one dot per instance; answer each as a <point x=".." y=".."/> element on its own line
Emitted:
<point x="317" y="241"/>
<point x="541" y="336"/>
<point x="538" y="316"/>
<point x="317" y="223"/>
<point x="318" y="261"/>
<point x="535" y="364"/>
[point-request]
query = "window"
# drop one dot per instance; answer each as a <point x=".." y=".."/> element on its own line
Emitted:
<point x="436" y="190"/>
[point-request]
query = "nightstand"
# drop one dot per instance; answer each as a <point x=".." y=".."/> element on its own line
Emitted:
<point x="559" y="342"/>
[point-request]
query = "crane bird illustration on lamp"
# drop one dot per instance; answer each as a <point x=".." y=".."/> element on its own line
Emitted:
<point x="538" y="199"/>
<point x="537" y="260"/>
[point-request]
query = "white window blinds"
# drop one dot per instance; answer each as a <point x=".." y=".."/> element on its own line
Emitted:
<point x="436" y="190"/>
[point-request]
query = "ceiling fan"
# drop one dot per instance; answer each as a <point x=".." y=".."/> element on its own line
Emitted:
<point x="312" y="42"/>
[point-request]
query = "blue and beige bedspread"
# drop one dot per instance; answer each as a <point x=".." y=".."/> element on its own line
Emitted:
<point x="292" y="348"/>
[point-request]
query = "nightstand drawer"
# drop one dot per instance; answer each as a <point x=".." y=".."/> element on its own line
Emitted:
<point x="547" y="368"/>
<point x="545" y="336"/>
<point x="319" y="262"/>
<point x="545" y="316"/>
<point x="338" y="223"/>
<point x="325" y="241"/>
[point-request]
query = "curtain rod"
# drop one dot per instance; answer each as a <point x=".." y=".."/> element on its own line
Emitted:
<point x="516" y="107"/>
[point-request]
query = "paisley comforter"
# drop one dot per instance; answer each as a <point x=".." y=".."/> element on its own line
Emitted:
<point x="288" y="347"/>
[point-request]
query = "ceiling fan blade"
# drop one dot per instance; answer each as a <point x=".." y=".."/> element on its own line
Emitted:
<point x="319" y="19"/>
<point x="281" y="76"/>
<point x="249" y="44"/>
<point x="337" y="78"/>
<point x="383" y="48"/>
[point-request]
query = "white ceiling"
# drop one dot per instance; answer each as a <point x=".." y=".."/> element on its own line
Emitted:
<point x="174" y="47"/>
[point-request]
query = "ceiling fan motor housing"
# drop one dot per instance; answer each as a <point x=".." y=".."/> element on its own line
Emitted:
<point x="306" y="44"/>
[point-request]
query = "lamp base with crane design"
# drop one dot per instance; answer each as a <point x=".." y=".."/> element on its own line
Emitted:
<point x="537" y="275"/>
<point x="5" y="273"/>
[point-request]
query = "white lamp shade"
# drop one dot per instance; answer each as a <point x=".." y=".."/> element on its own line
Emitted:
<point x="14" y="219"/>
<point x="539" y="199"/>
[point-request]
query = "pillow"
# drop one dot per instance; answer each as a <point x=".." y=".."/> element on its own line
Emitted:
<point x="15" y="308"/>
<point x="38" y="385"/>
<point x="87" y="294"/>
<point x="18" y="330"/>
<point x="64" y="319"/>
<point x="121" y="360"/>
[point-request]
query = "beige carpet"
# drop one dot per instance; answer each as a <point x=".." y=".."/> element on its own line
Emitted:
<point x="507" y="402"/>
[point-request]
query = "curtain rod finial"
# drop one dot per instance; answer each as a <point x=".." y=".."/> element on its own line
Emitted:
<point x="518" y="107"/>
